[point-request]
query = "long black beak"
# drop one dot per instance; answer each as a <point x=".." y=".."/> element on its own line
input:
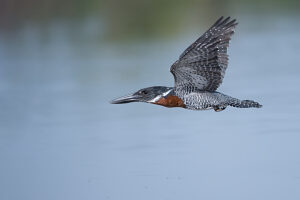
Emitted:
<point x="127" y="99"/>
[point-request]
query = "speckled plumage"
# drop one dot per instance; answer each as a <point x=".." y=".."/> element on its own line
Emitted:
<point x="201" y="68"/>
<point x="203" y="63"/>
<point x="198" y="73"/>
<point x="195" y="99"/>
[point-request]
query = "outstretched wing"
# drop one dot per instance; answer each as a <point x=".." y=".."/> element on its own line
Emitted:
<point x="202" y="65"/>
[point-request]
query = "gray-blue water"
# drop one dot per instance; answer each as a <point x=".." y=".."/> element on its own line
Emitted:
<point x="61" y="139"/>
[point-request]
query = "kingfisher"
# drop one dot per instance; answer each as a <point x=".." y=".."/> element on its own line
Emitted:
<point x="198" y="73"/>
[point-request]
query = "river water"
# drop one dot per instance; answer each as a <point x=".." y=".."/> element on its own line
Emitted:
<point x="61" y="139"/>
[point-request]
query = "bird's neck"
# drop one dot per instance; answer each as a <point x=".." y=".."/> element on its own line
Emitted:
<point x="168" y="99"/>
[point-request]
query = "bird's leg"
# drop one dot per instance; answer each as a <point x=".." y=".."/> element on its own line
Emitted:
<point x="219" y="108"/>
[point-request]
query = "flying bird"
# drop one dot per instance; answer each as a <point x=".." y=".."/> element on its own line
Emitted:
<point x="198" y="73"/>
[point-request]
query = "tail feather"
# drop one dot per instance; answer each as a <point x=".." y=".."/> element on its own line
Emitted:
<point x="245" y="104"/>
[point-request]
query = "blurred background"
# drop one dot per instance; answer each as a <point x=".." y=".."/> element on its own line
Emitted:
<point x="62" y="61"/>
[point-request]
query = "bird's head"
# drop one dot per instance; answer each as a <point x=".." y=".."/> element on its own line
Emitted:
<point x="148" y="95"/>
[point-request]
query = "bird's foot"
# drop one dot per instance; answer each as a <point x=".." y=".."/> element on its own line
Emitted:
<point x="219" y="108"/>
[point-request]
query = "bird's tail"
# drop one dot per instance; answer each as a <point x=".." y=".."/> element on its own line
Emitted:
<point x="244" y="103"/>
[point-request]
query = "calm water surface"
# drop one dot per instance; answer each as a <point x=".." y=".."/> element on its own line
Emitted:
<point x="61" y="139"/>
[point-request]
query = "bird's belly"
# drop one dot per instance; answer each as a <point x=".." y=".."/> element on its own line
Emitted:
<point x="200" y="101"/>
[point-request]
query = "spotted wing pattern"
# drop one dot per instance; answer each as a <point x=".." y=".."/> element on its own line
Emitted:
<point x="202" y="65"/>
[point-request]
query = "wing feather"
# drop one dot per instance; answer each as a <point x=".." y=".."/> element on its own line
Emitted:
<point x="203" y="64"/>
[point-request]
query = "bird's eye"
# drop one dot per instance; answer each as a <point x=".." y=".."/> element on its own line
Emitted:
<point x="144" y="92"/>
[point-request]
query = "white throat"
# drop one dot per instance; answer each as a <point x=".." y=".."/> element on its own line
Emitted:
<point x="159" y="96"/>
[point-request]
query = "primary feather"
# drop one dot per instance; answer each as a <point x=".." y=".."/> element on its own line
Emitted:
<point x="203" y="64"/>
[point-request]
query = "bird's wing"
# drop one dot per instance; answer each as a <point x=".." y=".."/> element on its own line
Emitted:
<point x="202" y="65"/>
